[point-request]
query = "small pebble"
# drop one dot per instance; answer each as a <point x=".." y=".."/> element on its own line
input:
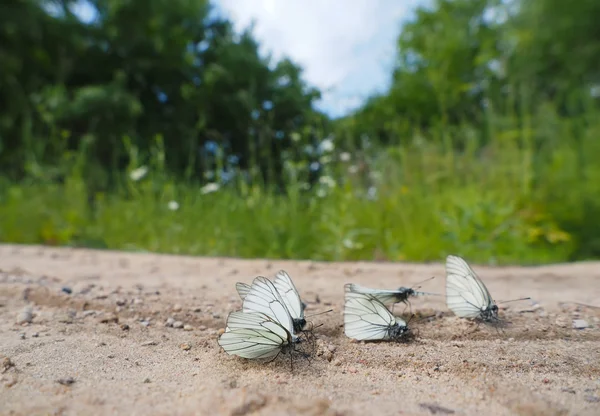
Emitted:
<point x="145" y="323"/>
<point x="146" y="380"/>
<point x="197" y="310"/>
<point x="35" y="334"/>
<point x="591" y="399"/>
<point x="177" y="308"/>
<point x="121" y="302"/>
<point x="580" y="323"/>
<point x="221" y="331"/>
<point x="6" y="363"/>
<point x="177" y="324"/>
<point x="25" y="316"/>
<point x="352" y="370"/>
<point x="185" y="346"/>
<point x="216" y="316"/>
<point x="331" y="347"/>
<point x="22" y="335"/>
<point x="67" y="290"/>
<point x="108" y="318"/>
<point x="149" y="343"/>
<point x="138" y="301"/>
<point x="67" y="381"/>
<point x="89" y="313"/>
<point x="202" y="328"/>
<point x="124" y="327"/>
<point x="188" y="328"/>
<point x="561" y="321"/>
<point x="169" y="323"/>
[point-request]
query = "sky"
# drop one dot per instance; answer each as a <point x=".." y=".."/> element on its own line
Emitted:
<point x="347" y="48"/>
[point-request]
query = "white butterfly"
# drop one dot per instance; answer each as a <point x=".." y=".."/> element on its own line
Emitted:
<point x="389" y="296"/>
<point x="466" y="295"/>
<point x="255" y="335"/>
<point x="289" y="294"/>
<point x="366" y="318"/>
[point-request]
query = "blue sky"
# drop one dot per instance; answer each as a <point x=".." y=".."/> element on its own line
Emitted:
<point x="347" y="48"/>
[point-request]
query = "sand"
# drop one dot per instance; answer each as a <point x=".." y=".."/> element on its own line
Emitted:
<point x="104" y="348"/>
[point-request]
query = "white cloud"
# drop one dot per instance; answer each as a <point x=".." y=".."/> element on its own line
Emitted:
<point x="347" y="48"/>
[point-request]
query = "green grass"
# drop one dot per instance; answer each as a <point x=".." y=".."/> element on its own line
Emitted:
<point x="527" y="197"/>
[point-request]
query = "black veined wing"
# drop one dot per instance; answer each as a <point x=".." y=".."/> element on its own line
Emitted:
<point x="388" y="296"/>
<point x="286" y="288"/>
<point x="466" y="295"/>
<point x="366" y="318"/>
<point x="255" y="335"/>
<point x="263" y="297"/>
<point x="242" y="289"/>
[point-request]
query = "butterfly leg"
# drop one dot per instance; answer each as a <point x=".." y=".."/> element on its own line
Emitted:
<point x="274" y="358"/>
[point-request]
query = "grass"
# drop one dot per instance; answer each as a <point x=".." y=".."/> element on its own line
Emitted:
<point x="526" y="197"/>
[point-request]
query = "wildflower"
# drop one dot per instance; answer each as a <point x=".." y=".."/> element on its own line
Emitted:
<point x="209" y="188"/>
<point x="137" y="174"/>
<point x="372" y="193"/>
<point x="327" y="181"/>
<point x="173" y="205"/>
<point x="345" y="157"/>
<point x="326" y="146"/>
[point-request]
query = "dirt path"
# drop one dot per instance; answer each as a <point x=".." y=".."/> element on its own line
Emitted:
<point x="109" y="336"/>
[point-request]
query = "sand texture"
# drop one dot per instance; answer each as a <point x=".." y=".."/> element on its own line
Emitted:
<point x="104" y="348"/>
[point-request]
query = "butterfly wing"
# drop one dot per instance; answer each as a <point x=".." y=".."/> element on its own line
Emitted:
<point x="365" y="317"/>
<point x="289" y="293"/>
<point x="242" y="289"/>
<point x="466" y="295"/>
<point x="263" y="297"/>
<point x="253" y="335"/>
<point x="383" y="295"/>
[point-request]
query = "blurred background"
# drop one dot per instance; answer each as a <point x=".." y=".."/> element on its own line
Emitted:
<point x="331" y="130"/>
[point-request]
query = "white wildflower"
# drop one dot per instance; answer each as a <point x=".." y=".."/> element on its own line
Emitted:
<point x="372" y="193"/>
<point x="345" y="157"/>
<point x="326" y="146"/>
<point x="209" y="188"/>
<point x="321" y="193"/>
<point x="137" y="174"/>
<point x="173" y="205"/>
<point x="327" y="181"/>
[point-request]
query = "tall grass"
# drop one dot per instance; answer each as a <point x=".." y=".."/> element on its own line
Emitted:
<point x="530" y="195"/>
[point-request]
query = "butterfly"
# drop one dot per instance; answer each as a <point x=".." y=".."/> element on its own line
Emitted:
<point x="386" y="296"/>
<point x="466" y="295"/>
<point x="263" y="328"/>
<point x="289" y="294"/>
<point x="366" y="318"/>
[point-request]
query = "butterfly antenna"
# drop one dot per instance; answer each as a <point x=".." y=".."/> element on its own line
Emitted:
<point x="318" y="313"/>
<point x="420" y="283"/>
<point x="428" y="294"/>
<point x="514" y="300"/>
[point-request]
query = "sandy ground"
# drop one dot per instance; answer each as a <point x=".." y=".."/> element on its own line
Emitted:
<point x="104" y="348"/>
